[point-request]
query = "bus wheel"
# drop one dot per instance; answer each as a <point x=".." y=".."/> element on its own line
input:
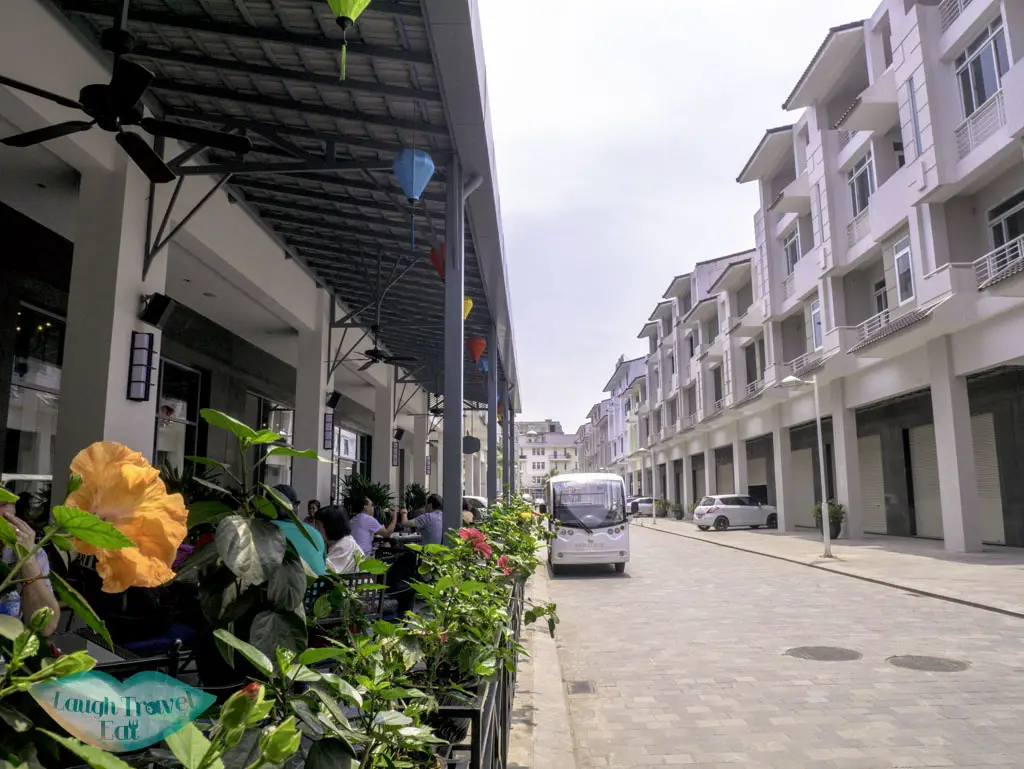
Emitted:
<point x="620" y="568"/>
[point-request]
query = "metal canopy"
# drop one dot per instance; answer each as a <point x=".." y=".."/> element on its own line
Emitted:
<point x="320" y="172"/>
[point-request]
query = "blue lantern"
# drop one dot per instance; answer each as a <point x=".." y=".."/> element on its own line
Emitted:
<point x="414" y="169"/>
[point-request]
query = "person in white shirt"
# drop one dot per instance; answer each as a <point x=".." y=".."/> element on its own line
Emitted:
<point x="343" y="553"/>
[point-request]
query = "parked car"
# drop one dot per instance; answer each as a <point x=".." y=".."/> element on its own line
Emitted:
<point x="644" y="505"/>
<point x="724" y="510"/>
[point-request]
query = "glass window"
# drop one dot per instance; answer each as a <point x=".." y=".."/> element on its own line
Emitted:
<point x="981" y="67"/>
<point x="881" y="294"/>
<point x="816" y="330"/>
<point x="791" y="248"/>
<point x="707" y="502"/>
<point x="177" y="413"/>
<point x="861" y="181"/>
<point x="904" y="271"/>
<point x="914" y="117"/>
<point x="1006" y="220"/>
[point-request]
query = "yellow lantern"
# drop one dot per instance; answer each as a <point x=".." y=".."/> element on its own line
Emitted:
<point x="467" y="307"/>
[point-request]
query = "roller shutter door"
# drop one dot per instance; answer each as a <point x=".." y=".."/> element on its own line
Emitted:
<point x="872" y="487"/>
<point x="757" y="472"/>
<point x="800" y="496"/>
<point x="725" y="479"/>
<point x="986" y="467"/>
<point x="924" y="470"/>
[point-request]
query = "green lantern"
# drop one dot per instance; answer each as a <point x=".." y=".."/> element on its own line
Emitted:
<point x="346" y="11"/>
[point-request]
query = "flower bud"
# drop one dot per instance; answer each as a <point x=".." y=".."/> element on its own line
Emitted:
<point x="236" y="710"/>
<point x="280" y="742"/>
<point x="233" y="737"/>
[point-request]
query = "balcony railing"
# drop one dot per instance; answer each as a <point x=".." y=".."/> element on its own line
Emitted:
<point x="755" y="387"/>
<point x="982" y="124"/>
<point x="689" y="421"/>
<point x="858" y="228"/>
<point x="674" y="383"/>
<point x="803" y="362"/>
<point x="872" y="326"/>
<point x="787" y="286"/>
<point x="950" y="10"/>
<point x="999" y="264"/>
<point x="718" y="405"/>
<point x="844" y="139"/>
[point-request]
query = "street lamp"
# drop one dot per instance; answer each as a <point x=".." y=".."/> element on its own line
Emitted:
<point x="796" y="382"/>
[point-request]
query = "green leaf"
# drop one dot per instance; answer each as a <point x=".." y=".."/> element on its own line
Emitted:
<point x="286" y="505"/>
<point x="85" y="526"/>
<point x="232" y="425"/>
<point x="273" y="629"/>
<point x="251" y="548"/>
<point x="444" y="583"/>
<point x="7" y="496"/>
<point x="14" y="719"/>
<point x="8" y="535"/>
<point x="470" y="587"/>
<point x="10" y="627"/>
<point x="77" y="603"/>
<point x="207" y="462"/>
<point x="303" y="674"/>
<point x="212" y="486"/>
<point x="207" y="512"/>
<point x="313" y="656"/>
<point x="189" y="746"/>
<point x="62" y="542"/>
<point x="264" y="506"/>
<point x="373" y="566"/>
<point x="266" y="436"/>
<point x="259" y="660"/>
<point x="421" y="733"/>
<point x="94" y="757"/>
<point x="322" y="607"/>
<point x="288" y="451"/>
<point x="74" y="484"/>
<point x="331" y="753"/>
<point x="25" y="647"/>
<point x="200" y="559"/>
<point x="287" y="584"/>
<point x="391" y="718"/>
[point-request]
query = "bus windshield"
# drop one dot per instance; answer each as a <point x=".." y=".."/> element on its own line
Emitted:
<point x="588" y="504"/>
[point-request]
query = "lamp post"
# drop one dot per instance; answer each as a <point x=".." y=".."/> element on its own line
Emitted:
<point x="795" y="382"/>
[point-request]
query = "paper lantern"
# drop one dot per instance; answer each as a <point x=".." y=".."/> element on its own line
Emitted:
<point x="476" y="346"/>
<point x="414" y="169"/>
<point x="437" y="260"/>
<point x="467" y="307"/>
<point x="346" y="13"/>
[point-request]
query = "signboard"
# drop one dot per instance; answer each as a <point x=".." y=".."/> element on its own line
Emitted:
<point x="428" y="464"/>
<point x="394" y="453"/>
<point x="121" y="716"/>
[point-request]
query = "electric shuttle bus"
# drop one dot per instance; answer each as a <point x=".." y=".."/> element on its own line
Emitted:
<point x="588" y="515"/>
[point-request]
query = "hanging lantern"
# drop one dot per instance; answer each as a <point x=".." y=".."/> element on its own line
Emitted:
<point x="467" y="307"/>
<point x="481" y="367"/>
<point x="437" y="260"/>
<point x="476" y="346"/>
<point x="414" y="169"/>
<point x="346" y="13"/>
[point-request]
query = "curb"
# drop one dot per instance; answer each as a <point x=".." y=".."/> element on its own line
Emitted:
<point x="862" y="578"/>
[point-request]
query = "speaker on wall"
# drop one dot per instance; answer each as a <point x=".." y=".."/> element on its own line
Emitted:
<point x="157" y="310"/>
<point x="333" y="400"/>
<point x="399" y="432"/>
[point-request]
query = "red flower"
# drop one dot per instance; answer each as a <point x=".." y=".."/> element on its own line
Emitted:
<point x="503" y="564"/>
<point x="478" y="540"/>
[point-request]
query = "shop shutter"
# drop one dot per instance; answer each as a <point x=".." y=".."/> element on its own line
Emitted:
<point x="757" y="472"/>
<point x="986" y="468"/>
<point x="924" y="471"/>
<point x="725" y="479"/>
<point x="872" y="487"/>
<point x="800" y="495"/>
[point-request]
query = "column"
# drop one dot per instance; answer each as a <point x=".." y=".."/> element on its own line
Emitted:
<point x="739" y="463"/>
<point x="436" y="458"/>
<point x="420" y="425"/>
<point x="510" y="415"/>
<point x="687" y="499"/>
<point x="454" y="345"/>
<point x="670" y="481"/>
<point x="783" y="466"/>
<point x="492" y="418"/>
<point x="469" y="483"/>
<point x="954" y="445"/>
<point x="847" y="462"/>
<point x="311" y="478"/>
<point x="710" y="470"/>
<point x="381" y="470"/>
<point x="103" y="308"/>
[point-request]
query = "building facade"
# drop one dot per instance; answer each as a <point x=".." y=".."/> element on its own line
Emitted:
<point x="888" y="270"/>
<point x="545" y="450"/>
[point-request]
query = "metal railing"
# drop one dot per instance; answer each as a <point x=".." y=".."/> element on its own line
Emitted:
<point x="689" y="421"/>
<point x="858" y="228"/>
<point x="844" y="138"/>
<point x="950" y="10"/>
<point x="802" y="362"/>
<point x="755" y="387"/>
<point x="674" y="382"/>
<point x="718" y="406"/>
<point x="872" y="326"/>
<point x="787" y="286"/>
<point x="1001" y="262"/>
<point x="981" y="125"/>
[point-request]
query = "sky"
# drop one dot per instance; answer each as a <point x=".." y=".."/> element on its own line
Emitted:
<point x="618" y="138"/>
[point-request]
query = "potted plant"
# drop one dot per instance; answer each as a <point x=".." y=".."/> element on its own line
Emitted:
<point x="415" y="498"/>
<point x="836" y="515"/>
<point x="660" y="508"/>
<point x="356" y="486"/>
<point x="677" y="511"/>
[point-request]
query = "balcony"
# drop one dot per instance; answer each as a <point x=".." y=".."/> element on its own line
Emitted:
<point x="950" y="11"/>
<point x="714" y="350"/>
<point x="794" y="199"/>
<point x="844" y="139"/>
<point x="716" y="408"/>
<point x="803" y="364"/>
<point x="983" y="124"/>
<point x="751" y="323"/>
<point x="673" y="384"/>
<point x="996" y="268"/>
<point x="788" y="286"/>
<point x="689" y="421"/>
<point x="859" y="228"/>
<point x="876" y="109"/>
<point x="894" y="199"/>
<point x="1013" y="99"/>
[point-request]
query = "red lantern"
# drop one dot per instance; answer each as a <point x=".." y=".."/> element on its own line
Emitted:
<point x="438" y="260"/>
<point x="476" y="345"/>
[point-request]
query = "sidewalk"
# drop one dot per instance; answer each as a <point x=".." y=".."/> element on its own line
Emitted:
<point x="993" y="579"/>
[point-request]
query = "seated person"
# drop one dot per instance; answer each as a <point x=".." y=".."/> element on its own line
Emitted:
<point x="429" y="524"/>
<point x="365" y="526"/>
<point x="343" y="552"/>
<point x="25" y="598"/>
<point x="313" y="553"/>
<point x="467" y="513"/>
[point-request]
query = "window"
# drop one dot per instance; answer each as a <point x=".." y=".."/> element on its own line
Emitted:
<point x="816" y="331"/>
<point x="671" y="364"/>
<point x="901" y="156"/>
<point x="1006" y="221"/>
<point x="881" y="295"/>
<point x="904" y="272"/>
<point x="861" y="180"/>
<point x="177" y="412"/>
<point x="914" y="117"/>
<point x="791" y="248"/>
<point x="981" y="67"/>
<point x="692" y="345"/>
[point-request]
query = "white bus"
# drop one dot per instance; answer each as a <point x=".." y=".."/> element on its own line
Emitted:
<point x="588" y="515"/>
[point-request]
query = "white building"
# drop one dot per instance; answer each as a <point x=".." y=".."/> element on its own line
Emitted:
<point x="619" y="410"/>
<point x="888" y="265"/>
<point x="544" y="450"/>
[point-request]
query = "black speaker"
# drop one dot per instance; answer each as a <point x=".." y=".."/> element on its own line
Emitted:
<point x="333" y="400"/>
<point x="399" y="432"/>
<point x="157" y="310"/>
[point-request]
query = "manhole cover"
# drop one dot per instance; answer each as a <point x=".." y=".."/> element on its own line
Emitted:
<point x="929" y="664"/>
<point x="581" y="687"/>
<point x="824" y="653"/>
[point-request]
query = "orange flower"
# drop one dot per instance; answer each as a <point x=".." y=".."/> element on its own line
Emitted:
<point x="122" y="488"/>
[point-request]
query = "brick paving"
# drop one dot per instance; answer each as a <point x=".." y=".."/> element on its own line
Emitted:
<point x="685" y="654"/>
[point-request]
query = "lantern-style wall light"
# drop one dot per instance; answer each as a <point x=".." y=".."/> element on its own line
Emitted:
<point x="328" y="431"/>
<point x="140" y="366"/>
<point x="414" y="170"/>
<point x="346" y="12"/>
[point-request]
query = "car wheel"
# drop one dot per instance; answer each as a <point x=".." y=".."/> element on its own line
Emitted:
<point x="758" y="526"/>
<point x="721" y="523"/>
<point x="772" y="522"/>
<point x="620" y="568"/>
<point x="703" y="528"/>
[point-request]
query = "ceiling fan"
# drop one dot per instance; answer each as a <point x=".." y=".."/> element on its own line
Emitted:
<point x="113" y="106"/>
<point x="377" y="355"/>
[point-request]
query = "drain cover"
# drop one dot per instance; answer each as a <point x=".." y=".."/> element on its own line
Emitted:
<point x="824" y="653"/>
<point x="581" y="687"/>
<point x="929" y="664"/>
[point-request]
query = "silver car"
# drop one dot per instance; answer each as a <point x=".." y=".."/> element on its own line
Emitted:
<point x="644" y="506"/>
<point x="724" y="510"/>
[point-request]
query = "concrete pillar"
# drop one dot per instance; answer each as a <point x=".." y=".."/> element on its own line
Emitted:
<point x="436" y="458"/>
<point x="383" y="430"/>
<point x="739" y="463"/>
<point x="783" y="455"/>
<point x="312" y="478"/>
<point x="847" y="462"/>
<point x="454" y="343"/>
<point x="710" y="471"/>
<point x="103" y="307"/>
<point x="469" y="485"/>
<point x="492" y="419"/>
<point x="954" y="445"/>
<point x="420" y="425"/>
<point x="687" y="499"/>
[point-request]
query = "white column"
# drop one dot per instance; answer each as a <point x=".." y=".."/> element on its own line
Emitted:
<point x="670" y="480"/>
<point x="739" y="463"/>
<point x="783" y="466"/>
<point x="847" y="462"/>
<point x="710" y="470"/>
<point x="434" y="479"/>
<point x="103" y="308"/>
<point x="383" y="430"/>
<point x="419" y="450"/>
<point x="469" y="482"/>
<point x="687" y="499"/>
<point x="954" y="445"/>
<point x="311" y="479"/>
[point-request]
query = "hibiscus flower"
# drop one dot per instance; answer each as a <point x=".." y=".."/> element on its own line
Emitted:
<point x="503" y="565"/>
<point x="478" y="540"/>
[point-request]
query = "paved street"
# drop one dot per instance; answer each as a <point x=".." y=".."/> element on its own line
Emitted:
<point x="685" y="656"/>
